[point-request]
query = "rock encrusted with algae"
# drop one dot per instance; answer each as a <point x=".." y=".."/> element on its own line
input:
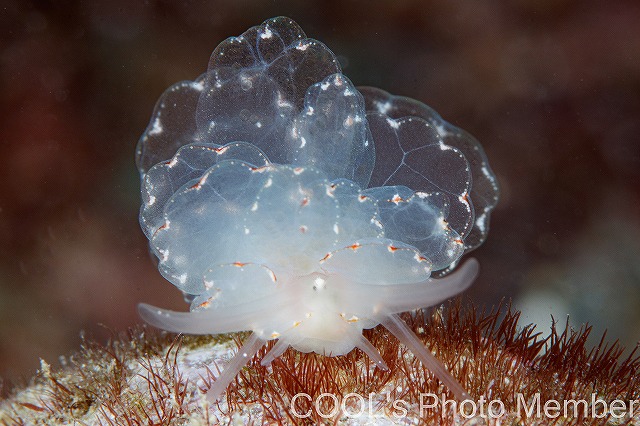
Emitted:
<point x="144" y="377"/>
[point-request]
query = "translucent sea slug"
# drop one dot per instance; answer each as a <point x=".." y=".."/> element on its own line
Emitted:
<point x="282" y="200"/>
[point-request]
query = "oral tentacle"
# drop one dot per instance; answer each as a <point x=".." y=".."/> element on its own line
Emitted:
<point x="278" y="349"/>
<point x="249" y="348"/>
<point x="403" y="333"/>
<point x="365" y="346"/>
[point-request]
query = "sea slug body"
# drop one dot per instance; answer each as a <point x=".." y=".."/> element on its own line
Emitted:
<point x="285" y="201"/>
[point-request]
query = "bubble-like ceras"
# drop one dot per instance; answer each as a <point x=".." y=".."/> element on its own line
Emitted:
<point x="283" y="201"/>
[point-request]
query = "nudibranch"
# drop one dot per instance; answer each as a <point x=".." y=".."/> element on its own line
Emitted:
<point x="284" y="201"/>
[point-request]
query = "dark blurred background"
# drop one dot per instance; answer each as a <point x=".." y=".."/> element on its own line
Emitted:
<point x="551" y="88"/>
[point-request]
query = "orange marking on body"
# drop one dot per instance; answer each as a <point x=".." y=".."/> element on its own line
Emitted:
<point x="298" y="170"/>
<point x="164" y="226"/>
<point x="304" y="202"/>
<point x="239" y="264"/>
<point x="355" y="246"/>
<point x="392" y="248"/>
<point x="326" y="256"/>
